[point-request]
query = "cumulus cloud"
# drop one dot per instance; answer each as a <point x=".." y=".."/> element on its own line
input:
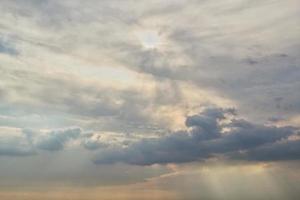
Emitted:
<point x="29" y="141"/>
<point x="208" y="135"/>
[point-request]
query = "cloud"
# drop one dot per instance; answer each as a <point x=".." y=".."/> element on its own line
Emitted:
<point x="225" y="50"/>
<point x="207" y="122"/>
<point x="136" y="76"/>
<point x="55" y="140"/>
<point x="285" y="150"/>
<point x="28" y="142"/>
<point x="207" y="136"/>
<point x="15" y="145"/>
<point x="12" y="151"/>
<point x="92" y="142"/>
<point x="7" y="48"/>
<point x="77" y="99"/>
<point x="15" y="149"/>
<point x="245" y="135"/>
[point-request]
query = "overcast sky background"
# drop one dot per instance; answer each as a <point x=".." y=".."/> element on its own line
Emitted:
<point x="175" y="99"/>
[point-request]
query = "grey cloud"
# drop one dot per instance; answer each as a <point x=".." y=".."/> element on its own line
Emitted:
<point x="207" y="122"/>
<point x="204" y="139"/>
<point x="206" y="45"/>
<point x="247" y="61"/>
<point x="285" y="150"/>
<point x="251" y="75"/>
<point x="56" y="139"/>
<point x="7" y="48"/>
<point x="151" y="151"/>
<point x="30" y="141"/>
<point x="15" y="146"/>
<point x="92" y="142"/>
<point x="104" y="108"/>
<point x="93" y="145"/>
<point x="12" y="151"/>
<point x="246" y="135"/>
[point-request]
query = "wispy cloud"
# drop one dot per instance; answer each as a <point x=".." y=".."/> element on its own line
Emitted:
<point x="143" y="84"/>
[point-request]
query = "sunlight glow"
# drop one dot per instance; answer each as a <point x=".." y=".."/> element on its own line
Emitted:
<point x="150" y="39"/>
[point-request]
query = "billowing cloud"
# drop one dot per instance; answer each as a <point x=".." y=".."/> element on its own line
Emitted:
<point x="29" y="142"/>
<point x="208" y="135"/>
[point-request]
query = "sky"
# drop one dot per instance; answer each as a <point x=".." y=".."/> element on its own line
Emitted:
<point x="149" y="100"/>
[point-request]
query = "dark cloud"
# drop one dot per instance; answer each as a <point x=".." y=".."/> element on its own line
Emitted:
<point x="205" y="137"/>
<point x="285" y="150"/>
<point x="245" y="135"/>
<point x="207" y="123"/>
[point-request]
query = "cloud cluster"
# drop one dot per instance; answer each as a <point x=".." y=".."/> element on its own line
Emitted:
<point x="29" y="142"/>
<point x="214" y="132"/>
<point x="286" y="150"/>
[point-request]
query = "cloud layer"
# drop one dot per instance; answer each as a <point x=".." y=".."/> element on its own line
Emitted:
<point x="208" y="137"/>
<point x="114" y="92"/>
<point x="28" y="142"/>
<point x="215" y="132"/>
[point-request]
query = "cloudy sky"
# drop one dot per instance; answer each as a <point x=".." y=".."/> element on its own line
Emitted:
<point x="149" y="100"/>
